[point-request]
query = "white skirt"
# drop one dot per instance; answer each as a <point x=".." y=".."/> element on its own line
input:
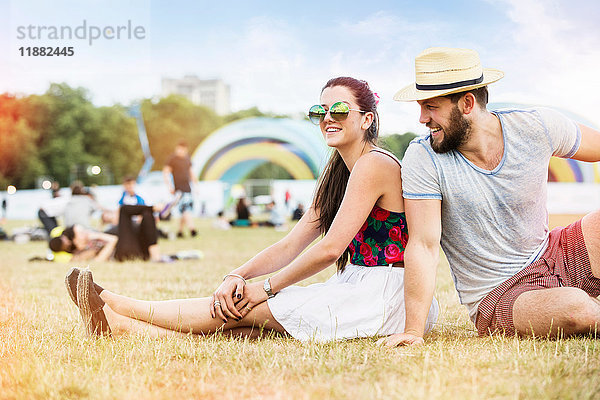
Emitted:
<point x="359" y="302"/>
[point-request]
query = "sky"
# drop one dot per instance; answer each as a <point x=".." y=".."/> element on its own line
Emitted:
<point x="277" y="55"/>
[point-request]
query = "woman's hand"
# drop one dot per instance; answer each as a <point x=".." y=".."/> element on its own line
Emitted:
<point x="254" y="294"/>
<point x="225" y="298"/>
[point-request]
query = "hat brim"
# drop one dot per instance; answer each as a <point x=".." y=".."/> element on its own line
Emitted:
<point x="411" y="93"/>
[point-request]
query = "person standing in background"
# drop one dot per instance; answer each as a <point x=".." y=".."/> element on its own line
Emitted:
<point x="179" y="167"/>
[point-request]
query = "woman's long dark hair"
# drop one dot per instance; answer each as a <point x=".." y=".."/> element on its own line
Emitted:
<point x="334" y="179"/>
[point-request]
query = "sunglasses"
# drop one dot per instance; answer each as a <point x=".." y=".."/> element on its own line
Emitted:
<point x="339" y="111"/>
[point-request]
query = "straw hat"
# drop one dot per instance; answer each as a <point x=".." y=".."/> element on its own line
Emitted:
<point x="441" y="70"/>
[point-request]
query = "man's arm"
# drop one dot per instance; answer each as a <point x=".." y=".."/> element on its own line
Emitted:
<point x="193" y="177"/>
<point x="167" y="171"/>
<point x="193" y="180"/>
<point x="589" y="149"/>
<point x="421" y="258"/>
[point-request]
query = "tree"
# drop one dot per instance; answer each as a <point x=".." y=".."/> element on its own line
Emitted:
<point x="68" y="133"/>
<point x="396" y="143"/>
<point x="248" y="113"/>
<point x="62" y="117"/>
<point x="175" y="118"/>
<point x="268" y="170"/>
<point x="114" y="145"/>
<point x="61" y="133"/>
<point x="19" y="163"/>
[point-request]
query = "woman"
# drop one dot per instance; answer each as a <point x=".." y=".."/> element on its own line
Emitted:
<point x="84" y="244"/>
<point x="242" y="214"/>
<point x="358" y="206"/>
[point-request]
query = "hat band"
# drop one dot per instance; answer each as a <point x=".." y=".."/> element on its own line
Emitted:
<point x="450" y="85"/>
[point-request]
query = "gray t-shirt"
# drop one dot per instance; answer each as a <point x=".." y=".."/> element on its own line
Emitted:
<point x="79" y="210"/>
<point x="494" y="223"/>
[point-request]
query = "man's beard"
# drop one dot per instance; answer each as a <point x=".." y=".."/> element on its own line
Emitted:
<point x="455" y="135"/>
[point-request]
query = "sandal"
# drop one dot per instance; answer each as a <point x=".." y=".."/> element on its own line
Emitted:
<point x="90" y="305"/>
<point x="71" y="283"/>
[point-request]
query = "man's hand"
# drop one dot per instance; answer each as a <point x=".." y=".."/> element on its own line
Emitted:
<point x="401" y="339"/>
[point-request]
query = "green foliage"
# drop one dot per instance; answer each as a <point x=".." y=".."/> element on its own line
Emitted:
<point x="173" y="119"/>
<point x="248" y="113"/>
<point x="269" y="170"/>
<point x="397" y="144"/>
<point x="116" y="143"/>
<point x="60" y="133"/>
<point x="19" y="163"/>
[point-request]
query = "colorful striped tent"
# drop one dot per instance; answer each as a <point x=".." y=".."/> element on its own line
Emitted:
<point x="231" y="152"/>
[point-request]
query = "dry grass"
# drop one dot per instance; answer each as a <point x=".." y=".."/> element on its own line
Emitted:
<point x="563" y="219"/>
<point x="45" y="354"/>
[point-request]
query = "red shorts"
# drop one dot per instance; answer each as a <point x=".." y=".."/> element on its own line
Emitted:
<point x="564" y="263"/>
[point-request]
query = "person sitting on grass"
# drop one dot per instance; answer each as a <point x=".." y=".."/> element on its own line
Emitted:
<point x="478" y="184"/>
<point x="359" y="208"/>
<point x="221" y="223"/>
<point x="298" y="212"/>
<point x="81" y="206"/>
<point x="242" y="214"/>
<point x="130" y="196"/>
<point x="276" y="218"/>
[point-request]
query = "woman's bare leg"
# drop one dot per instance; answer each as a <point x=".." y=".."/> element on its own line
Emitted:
<point x="187" y="315"/>
<point x="120" y="324"/>
<point x="154" y="252"/>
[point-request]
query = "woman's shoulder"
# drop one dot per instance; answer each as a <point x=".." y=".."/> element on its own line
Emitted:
<point x="386" y="155"/>
<point x="377" y="161"/>
<point x="377" y="172"/>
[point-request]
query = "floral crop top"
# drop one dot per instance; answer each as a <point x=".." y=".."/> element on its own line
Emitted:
<point x="381" y="240"/>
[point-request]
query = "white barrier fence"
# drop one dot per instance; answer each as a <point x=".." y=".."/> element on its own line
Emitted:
<point x="24" y="204"/>
<point x="573" y="198"/>
<point x="563" y="198"/>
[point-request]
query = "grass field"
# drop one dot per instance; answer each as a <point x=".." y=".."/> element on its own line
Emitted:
<point x="44" y="353"/>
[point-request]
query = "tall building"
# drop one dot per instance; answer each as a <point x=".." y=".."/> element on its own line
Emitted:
<point x="213" y="93"/>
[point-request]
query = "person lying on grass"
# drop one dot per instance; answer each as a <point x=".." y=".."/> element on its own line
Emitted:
<point x="133" y="240"/>
<point x="358" y="207"/>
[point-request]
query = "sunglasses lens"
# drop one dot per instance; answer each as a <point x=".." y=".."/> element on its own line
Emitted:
<point x="316" y="114"/>
<point x="339" y="111"/>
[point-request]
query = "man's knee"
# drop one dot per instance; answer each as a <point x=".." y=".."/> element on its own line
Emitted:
<point x="583" y="315"/>
<point x="546" y="311"/>
<point x="590" y="227"/>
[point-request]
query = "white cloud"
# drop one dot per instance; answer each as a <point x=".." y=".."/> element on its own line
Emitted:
<point x="547" y="49"/>
<point x="553" y="57"/>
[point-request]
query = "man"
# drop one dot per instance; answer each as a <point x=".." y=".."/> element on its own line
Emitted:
<point x="477" y="183"/>
<point x="179" y="166"/>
